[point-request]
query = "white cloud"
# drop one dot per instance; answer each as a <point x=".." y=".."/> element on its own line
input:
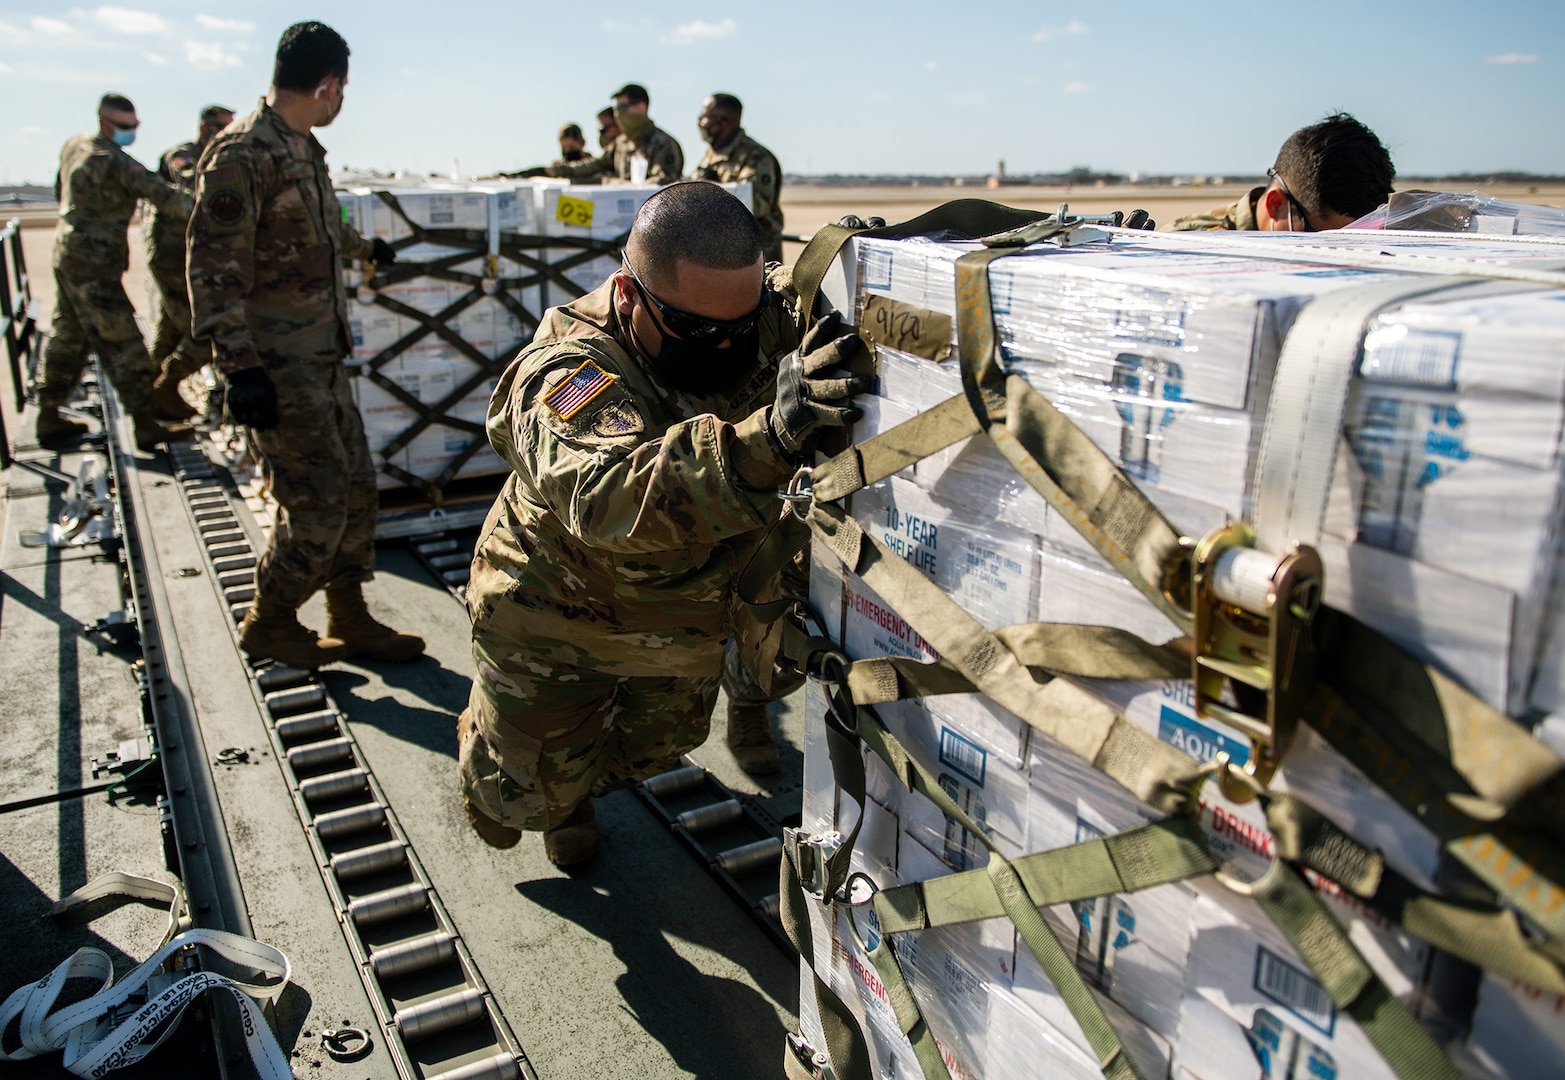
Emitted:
<point x="155" y="58"/>
<point x="1512" y="58"/>
<point x="27" y="130"/>
<point x="931" y="65"/>
<point x="1079" y="88"/>
<point x="691" y="32"/>
<point x="209" y="55"/>
<point x="618" y="26"/>
<point x="1070" y="29"/>
<point x="130" y="21"/>
<point x="239" y="26"/>
<point x="53" y="27"/>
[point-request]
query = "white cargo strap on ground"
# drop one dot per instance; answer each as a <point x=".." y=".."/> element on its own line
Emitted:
<point x="123" y="1022"/>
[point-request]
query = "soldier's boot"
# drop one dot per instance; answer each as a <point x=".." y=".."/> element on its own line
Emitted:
<point x="53" y="429"/>
<point x="150" y="433"/>
<point x="271" y="630"/>
<point x="488" y="829"/>
<point x="750" y="739"/>
<point x="575" y="840"/>
<point x="167" y="404"/>
<point x="348" y="619"/>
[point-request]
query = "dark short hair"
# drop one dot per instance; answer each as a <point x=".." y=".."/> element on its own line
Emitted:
<point x="728" y="103"/>
<point x="213" y="113"/>
<point x="115" y="103"/>
<point x="571" y="131"/>
<point x="606" y="111"/>
<point x="635" y="91"/>
<point x="1337" y="166"/>
<point x="307" y="53"/>
<point x="695" y="222"/>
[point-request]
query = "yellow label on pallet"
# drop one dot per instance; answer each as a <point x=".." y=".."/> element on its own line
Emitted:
<point x="574" y="211"/>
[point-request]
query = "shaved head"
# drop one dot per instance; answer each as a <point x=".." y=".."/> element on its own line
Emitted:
<point x="693" y="222"/>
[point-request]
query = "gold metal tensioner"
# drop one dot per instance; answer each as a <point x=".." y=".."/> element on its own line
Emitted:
<point x="1253" y="612"/>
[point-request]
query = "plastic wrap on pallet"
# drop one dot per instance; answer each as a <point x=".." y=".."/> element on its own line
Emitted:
<point x="1448" y="501"/>
<point x="1518" y="1032"/>
<point x="1463" y="212"/>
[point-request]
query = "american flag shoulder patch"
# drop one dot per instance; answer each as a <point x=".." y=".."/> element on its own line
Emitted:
<point x="577" y="389"/>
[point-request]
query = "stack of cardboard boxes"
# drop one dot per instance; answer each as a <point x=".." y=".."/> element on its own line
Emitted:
<point x="1442" y="532"/>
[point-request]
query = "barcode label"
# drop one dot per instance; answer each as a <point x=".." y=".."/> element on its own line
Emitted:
<point x="963" y="755"/>
<point x="1398" y="354"/>
<point x="875" y="270"/>
<point x="1295" y="990"/>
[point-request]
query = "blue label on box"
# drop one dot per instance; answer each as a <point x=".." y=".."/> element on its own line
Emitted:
<point x="875" y="270"/>
<point x="963" y="755"/>
<point x="1196" y="739"/>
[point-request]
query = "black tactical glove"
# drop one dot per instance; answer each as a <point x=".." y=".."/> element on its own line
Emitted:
<point x="853" y="221"/>
<point x="527" y="174"/>
<point x="382" y="253"/>
<point x="251" y="399"/>
<point x="708" y="173"/>
<point x="1138" y="219"/>
<point x="806" y="402"/>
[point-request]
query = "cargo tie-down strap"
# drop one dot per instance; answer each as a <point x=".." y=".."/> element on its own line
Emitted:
<point x="1489" y="791"/>
<point x="467" y="244"/>
<point x="124" y="1021"/>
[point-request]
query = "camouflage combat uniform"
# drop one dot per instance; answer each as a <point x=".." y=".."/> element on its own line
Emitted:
<point x="1239" y="217"/>
<point x="665" y="160"/>
<point x="589" y="170"/>
<point x="172" y="346"/>
<point x="265" y="248"/>
<point x="745" y="159"/>
<point x="602" y="588"/>
<point x="97" y="188"/>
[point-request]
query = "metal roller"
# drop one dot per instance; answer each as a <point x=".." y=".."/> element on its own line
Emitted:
<point x="333" y="785"/>
<point x="314" y="755"/>
<point x="233" y="562"/>
<point x="436" y="547"/>
<point x="741" y="860"/>
<point x="447" y="562"/>
<point x="406" y="957"/>
<point x="287" y="702"/>
<point x="236" y="577"/>
<point x="368" y="860"/>
<point x="678" y="780"/>
<point x="772" y="906"/>
<point x="703" y="818"/>
<point x="238" y="612"/>
<point x="211" y="523"/>
<point x="388" y="904"/>
<point x="213" y="512"/>
<point x="299" y="728"/>
<point x="224" y="536"/>
<point x="280" y="677"/>
<point x="228" y="551"/>
<point x="353" y="819"/>
<point x="1243" y="577"/>
<point x="442" y="1014"/>
<point x="499" y="1067"/>
<point x="239" y="594"/>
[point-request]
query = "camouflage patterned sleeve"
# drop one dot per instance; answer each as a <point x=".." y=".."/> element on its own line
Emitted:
<point x="590" y="171"/>
<point x="144" y="184"/>
<point x="617" y="486"/>
<point x="220" y="256"/>
<point x="666" y="163"/>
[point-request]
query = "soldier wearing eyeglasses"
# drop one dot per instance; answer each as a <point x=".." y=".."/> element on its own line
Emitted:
<point x="1327" y="175"/>
<point x="649" y="426"/>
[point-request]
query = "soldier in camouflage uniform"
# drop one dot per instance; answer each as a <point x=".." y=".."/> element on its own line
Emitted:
<point x="640" y="138"/>
<point x="97" y="188"/>
<point x="649" y="426"/>
<point x="732" y="156"/>
<point x="1326" y="176"/>
<point x="173" y="349"/>
<point x="265" y="250"/>
<point x="590" y="170"/>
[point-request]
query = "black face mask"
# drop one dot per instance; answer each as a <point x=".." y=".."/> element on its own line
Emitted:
<point x="703" y="369"/>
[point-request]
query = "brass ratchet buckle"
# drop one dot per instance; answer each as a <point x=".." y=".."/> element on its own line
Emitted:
<point x="1269" y="650"/>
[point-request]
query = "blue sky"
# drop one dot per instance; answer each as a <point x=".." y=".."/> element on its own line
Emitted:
<point x="929" y="86"/>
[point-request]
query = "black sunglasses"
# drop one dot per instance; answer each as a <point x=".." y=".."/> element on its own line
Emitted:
<point x="698" y="329"/>
<point x="1293" y="204"/>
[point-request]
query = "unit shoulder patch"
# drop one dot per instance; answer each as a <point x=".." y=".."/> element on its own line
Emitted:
<point x="618" y="418"/>
<point x="225" y="207"/>
<point x="574" y="392"/>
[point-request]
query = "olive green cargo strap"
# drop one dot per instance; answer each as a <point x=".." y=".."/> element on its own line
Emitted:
<point x="910" y="1019"/>
<point x="1347" y="978"/>
<point x="1489" y="937"/>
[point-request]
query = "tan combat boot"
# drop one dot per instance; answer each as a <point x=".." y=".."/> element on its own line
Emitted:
<point x="53" y="429"/>
<point x="488" y="829"/>
<point x="150" y="434"/>
<point x="750" y="739"/>
<point x="272" y="631"/>
<point x="167" y="403"/>
<point x="350" y="621"/>
<point x="575" y="840"/>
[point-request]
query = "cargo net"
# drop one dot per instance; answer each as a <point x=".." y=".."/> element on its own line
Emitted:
<point x="1250" y="819"/>
<point x="432" y="336"/>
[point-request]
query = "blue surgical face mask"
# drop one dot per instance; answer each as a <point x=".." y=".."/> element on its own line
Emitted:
<point x="122" y="137"/>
